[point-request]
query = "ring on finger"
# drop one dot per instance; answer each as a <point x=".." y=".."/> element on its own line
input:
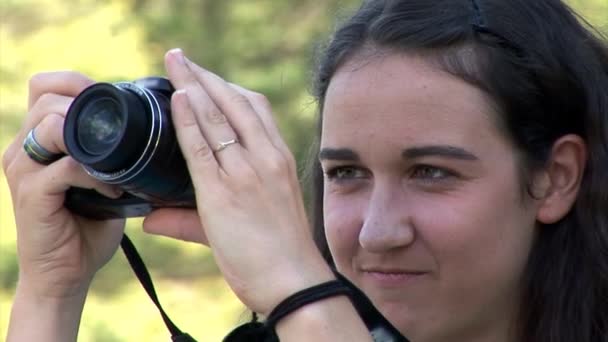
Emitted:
<point x="223" y="144"/>
<point x="36" y="152"/>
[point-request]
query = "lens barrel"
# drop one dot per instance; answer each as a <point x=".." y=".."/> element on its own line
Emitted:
<point x="104" y="126"/>
<point x="122" y="134"/>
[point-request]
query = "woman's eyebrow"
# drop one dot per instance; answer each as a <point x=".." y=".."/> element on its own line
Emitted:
<point x="410" y="153"/>
<point x="438" y="150"/>
<point x="338" y="154"/>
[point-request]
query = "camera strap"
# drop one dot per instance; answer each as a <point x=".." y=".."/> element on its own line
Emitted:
<point x="379" y="327"/>
<point x="138" y="266"/>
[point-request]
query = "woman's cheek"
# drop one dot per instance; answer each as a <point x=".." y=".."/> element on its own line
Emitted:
<point x="342" y="220"/>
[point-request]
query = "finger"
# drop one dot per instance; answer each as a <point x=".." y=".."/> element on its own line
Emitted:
<point x="239" y="111"/>
<point x="49" y="135"/>
<point x="62" y="85"/>
<point x="45" y="189"/>
<point x="196" y="150"/>
<point x="262" y="107"/>
<point x="49" y="92"/>
<point x="250" y="115"/>
<point x="248" y="125"/>
<point x="182" y="224"/>
<point x="47" y="104"/>
<point x="66" y="173"/>
<point x="66" y="83"/>
<point x="212" y="122"/>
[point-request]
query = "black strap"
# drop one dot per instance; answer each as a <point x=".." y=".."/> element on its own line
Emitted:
<point x="380" y="328"/>
<point x="138" y="266"/>
<point x="303" y="297"/>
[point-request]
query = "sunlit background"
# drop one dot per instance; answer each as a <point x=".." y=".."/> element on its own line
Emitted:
<point x="266" y="45"/>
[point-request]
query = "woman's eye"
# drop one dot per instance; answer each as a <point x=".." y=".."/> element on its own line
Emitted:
<point x="431" y="173"/>
<point x="344" y="173"/>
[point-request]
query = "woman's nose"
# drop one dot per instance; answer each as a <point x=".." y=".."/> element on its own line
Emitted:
<point x="387" y="224"/>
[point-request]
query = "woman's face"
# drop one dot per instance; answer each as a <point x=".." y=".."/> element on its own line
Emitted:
<point x="423" y="206"/>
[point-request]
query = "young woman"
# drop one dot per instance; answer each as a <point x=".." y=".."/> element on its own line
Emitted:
<point x="461" y="182"/>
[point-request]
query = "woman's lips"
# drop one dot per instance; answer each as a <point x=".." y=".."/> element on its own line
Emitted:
<point x="392" y="278"/>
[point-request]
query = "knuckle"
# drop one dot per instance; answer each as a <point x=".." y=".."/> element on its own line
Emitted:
<point x="261" y="99"/>
<point x="41" y="104"/>
<point x="239" y="99"/>
<point x="214" y="115"/>
<point x="45" y="99"/>
<point x="12" y="171"/>
<point x="36" y="79"/>
<point x="56" y="82"/>
<point x="51" y="121"/>
<point x="277" y="165"/>
<point x="246" y="175"/>
<point x="49" y="132"/>
<point x="186" y="121"/>
<point x="9" y="172"/>
<point x="201" y="150"/>
<point x="7" y="159"/>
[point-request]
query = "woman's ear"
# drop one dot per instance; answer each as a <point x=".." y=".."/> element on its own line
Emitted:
<point x="561" y="178"/>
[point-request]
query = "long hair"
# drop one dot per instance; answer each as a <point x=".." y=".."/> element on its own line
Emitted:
<point x="546" y="70"/>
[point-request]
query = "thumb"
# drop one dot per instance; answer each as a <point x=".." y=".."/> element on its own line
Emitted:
<point x="182" y="224"/>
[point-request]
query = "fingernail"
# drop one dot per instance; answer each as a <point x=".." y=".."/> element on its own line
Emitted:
<point x="179" y="55"/>
<point x="182" y="92"/>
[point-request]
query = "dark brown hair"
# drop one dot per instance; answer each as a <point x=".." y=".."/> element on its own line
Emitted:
<point x="547" y="72"/>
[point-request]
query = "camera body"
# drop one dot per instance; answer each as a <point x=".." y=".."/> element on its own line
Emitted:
<point x="122" y="134"/>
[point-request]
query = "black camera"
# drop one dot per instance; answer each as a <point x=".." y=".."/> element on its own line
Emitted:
<point x="122" y="134"/>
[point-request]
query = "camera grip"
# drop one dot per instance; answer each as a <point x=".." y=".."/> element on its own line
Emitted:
<point x="91" y="204"/>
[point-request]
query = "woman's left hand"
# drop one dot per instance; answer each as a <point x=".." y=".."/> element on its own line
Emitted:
<point x="249" y="203"/>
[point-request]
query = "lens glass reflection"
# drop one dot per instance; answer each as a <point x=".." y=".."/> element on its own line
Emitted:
<point x="99" y="126"/>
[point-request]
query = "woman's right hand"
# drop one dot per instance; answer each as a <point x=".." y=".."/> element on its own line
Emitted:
<point x="58" y="252"/>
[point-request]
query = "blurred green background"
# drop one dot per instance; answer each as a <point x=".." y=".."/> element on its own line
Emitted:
<point x="265" y="45"/>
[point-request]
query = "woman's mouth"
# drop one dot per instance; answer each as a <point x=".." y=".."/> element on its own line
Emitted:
<point x="392" y="278"/>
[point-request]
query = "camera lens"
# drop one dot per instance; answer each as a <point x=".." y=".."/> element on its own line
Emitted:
<point x="122" y="134"/>
<point x="107" y="127"/>
<point x="99" y="126"/>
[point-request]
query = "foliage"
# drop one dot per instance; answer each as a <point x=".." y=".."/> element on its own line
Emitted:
<point x="265" y="45"/>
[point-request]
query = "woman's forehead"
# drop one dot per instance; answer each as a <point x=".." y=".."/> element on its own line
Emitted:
<point x="404" y="93"/>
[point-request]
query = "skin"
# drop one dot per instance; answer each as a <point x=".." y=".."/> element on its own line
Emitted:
<point x="437" y="237"/>
<point x="250" y="210"/>
<point x="58" y="252"/>
<point x="254" y="181"/>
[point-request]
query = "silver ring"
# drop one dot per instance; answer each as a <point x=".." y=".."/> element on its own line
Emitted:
<point x="223" y="144"/>
<point x="36" y="152"/>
